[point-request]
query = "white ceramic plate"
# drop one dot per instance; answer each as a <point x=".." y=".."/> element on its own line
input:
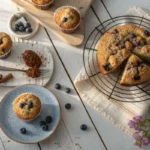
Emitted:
<point x="15" y="60"/>
<point x="23" y="35"/>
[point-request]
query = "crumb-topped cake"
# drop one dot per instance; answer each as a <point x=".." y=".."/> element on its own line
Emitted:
<point x="5" y="45"/>
<point x="119" y="43"/>
<point x="67" y="18"/>
<point x="27" y="106"/>
<point x="136" y="72"/>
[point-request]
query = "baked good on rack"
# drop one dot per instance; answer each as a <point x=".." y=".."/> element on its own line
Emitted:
<point x="42" y="2"/>
<point x="67" y="18"/>
<point x="27" y="106"/>
<point x="119" y="43"/>
<point x="31" y="59"/>
<point x="5" y="45"/>
<point x="136" y="72"/>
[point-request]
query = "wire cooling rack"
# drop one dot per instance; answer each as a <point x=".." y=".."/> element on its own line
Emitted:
<point x="109" y="84"/>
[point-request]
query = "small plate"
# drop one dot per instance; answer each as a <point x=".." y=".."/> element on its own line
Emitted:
<point x="11" y="124"/>
<point x="23" y="35"/>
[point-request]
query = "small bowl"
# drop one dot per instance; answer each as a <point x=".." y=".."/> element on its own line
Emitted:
<point x="22" y="35"/>
<point x="43" y="7"/>
<point x="68" y="31"/>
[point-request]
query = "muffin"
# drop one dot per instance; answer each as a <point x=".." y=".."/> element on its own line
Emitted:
<point x="5" y="45"/>
<point x="27" y="106"/>
<point x="67" y="18"/>
<point x="42" y="4"/>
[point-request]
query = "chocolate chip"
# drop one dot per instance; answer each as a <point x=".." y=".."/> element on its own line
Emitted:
<point x="1" y="42"/>
<point x="107" y="67"/>
<point x="146" y="33"/>
<point x="137" y="77"/>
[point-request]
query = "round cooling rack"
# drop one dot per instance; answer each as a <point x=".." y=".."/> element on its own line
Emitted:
<point x="109" y="84"/>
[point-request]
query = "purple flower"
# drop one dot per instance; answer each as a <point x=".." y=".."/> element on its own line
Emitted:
<point x="136" y="136"/>
<point x="137" y="127"/>
<point x="145" y="141"/>
<point x="137" y="119"/>
<point x="131" y="124"/>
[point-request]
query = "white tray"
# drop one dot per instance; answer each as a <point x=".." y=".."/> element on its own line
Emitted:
<point x="15" y="61"/>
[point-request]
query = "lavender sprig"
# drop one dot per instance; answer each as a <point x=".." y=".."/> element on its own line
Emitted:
<point x="142" y="128"/>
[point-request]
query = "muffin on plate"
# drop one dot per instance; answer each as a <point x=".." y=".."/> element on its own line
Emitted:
<point x="5" y="45"/>
<point x="68" y="18"/>
<point x="42" y="4"/>
<point x="27" y="106"/>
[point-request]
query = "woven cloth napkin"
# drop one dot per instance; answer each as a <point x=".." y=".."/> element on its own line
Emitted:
<point x="118" y="113"/>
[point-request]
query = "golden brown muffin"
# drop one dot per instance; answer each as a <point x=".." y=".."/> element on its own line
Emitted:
<point x="5" y="43"/>
<point x="67" y="18"/>
<point x="27" y="106"/>
<point x="136" y="72"/>
<point x="42" y="2"/>
<point x="119" y="43"/>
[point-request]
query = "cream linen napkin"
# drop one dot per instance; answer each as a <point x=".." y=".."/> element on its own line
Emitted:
<point x="118" y="113"/>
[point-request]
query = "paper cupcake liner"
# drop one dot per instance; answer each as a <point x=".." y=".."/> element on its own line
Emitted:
<point x="5" y="55"/>
<point x="42" y="7"/>
<point x="68" y="31"/>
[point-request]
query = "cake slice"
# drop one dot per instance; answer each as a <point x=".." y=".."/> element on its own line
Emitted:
<point x="136" y="72"/>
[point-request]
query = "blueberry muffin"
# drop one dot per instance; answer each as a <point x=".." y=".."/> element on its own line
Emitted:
<point x="67" y="18"/>
<point x="136" y="72"/>
<point x="42" y="4"/>
<point x="119" y="43"/>
<point x="27" y="106"/>
<point x="5" y="45"/>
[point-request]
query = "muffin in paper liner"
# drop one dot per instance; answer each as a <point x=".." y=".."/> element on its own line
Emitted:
<point x="43" y="7"/>
<point x="5" y="55"/>
<point x="71" y="30"/>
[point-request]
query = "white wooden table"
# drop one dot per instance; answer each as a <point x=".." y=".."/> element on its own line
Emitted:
<point x="101" y="135"/>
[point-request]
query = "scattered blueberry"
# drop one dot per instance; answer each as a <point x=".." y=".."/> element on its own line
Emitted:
<point x="27" y="25"/>
<point x="57" y="86"/>
<point x="146" y="33"/>
<point x="29" y="30"/>
<point x="23" y="130"/>
<point x="20" y="24"/>
<point x="21" y="28"/>
<point x="83" y="127"/>
<point x="65" y="19"/>
<point x="48" y="119"/>
<point x="21" y="105"/>
<point x="1" y="42"/>
<point x="42" y="123"/>
<point x="67" y="90"/>
<point x="45" y="127"/>
<point x="30" y="104"/>
<point x="68" y="106"/>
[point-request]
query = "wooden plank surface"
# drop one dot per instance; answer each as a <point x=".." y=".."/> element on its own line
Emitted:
<point x="46" y="19"/>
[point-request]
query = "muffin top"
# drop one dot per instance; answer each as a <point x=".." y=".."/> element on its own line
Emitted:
<point x="27" y="106"/>
<point x="67" y="18"/>
<point x="42" y="2"/>
<point x="5" y="43"/>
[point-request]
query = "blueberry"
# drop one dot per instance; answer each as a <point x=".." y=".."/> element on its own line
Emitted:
<point x="65" y="19"/>
<point x="146" y="33"/>
<point x="48" y="119"/>
<point x="83" y="127"/>
<point x="1" y="41"/>
<point x="57" y="86"/>
<point x="3" y="50"/>
<point x="107" y="67"/>
<point x="27" y="25"/>
<point x="67" y="90"/>
<point x="23" y="130"/>
<point x="68" y="106"/>
<point x="137" y="77"/>
<point x="42" y="123"/>
<point x="20" y="24"/>
<point x="30" y="104"/>
<point x="21" y="28"/>
<point x="21" y="105"/>
<point x="29" y="30"/>
<point x="16" y="27"/>
<point x="45" y="127"/>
